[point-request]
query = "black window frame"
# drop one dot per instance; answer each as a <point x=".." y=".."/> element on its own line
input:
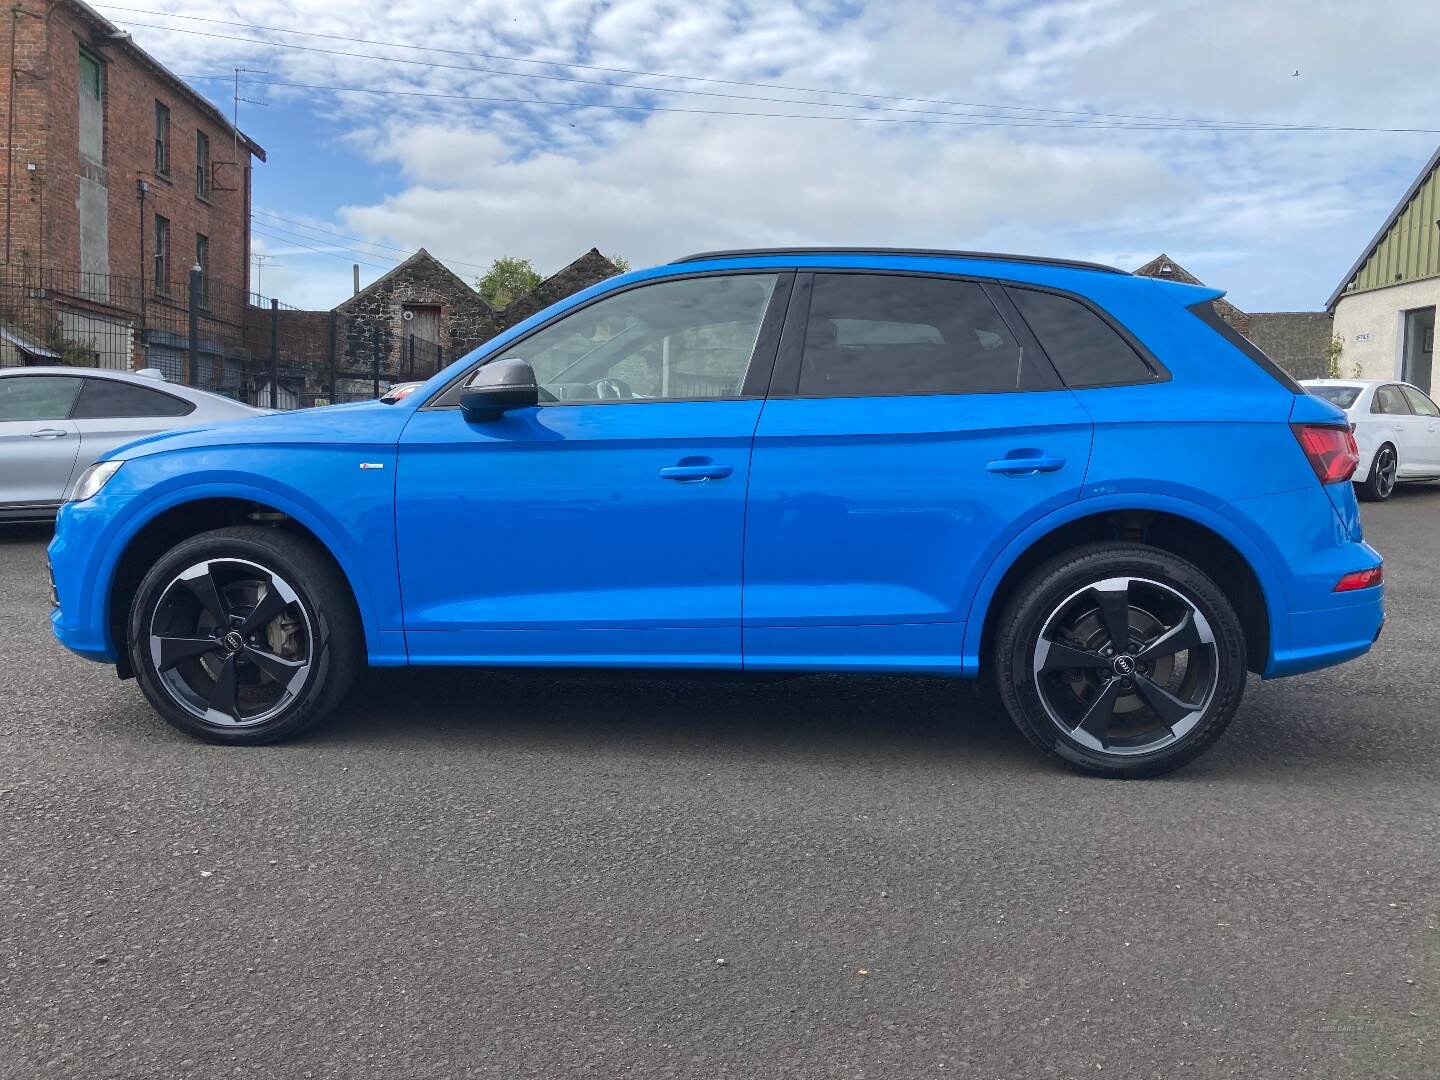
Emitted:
<point x="203" y="187"/>
<point x="1375" y="400"/>
<point x="162" y="140"/>
<point x="85" y="381"/>
<point x="1206" y="312"/>
<point x="785" y="383"/>
<point x="757" y="375"/>
<point x="1159" y="373"/>
<point x="161" y="256"/>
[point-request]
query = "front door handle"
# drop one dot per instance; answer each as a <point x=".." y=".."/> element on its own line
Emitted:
<point x="691" y="469"/>
<point x="49" y="433"/>
<point x="1025" y="466"/>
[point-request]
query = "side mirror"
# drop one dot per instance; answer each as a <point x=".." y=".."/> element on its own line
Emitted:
<point x="498" y="388"/>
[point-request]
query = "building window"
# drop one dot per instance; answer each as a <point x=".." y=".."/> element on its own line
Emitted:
<point x="162" y="255"/>
<point x="202" y="260"/>
<point x="202" y="165"/>
<point x="92" y="107"/>
<point x="162" y="139"/>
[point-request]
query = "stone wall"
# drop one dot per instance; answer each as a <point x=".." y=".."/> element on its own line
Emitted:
<point x="1296" y="340"/>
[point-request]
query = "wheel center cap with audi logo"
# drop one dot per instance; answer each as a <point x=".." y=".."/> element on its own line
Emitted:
<point x="233" y="641"/>
<point x="1123" y="665"/>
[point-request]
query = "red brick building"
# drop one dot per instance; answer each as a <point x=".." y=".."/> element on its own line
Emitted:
<point x="115" y="172"/>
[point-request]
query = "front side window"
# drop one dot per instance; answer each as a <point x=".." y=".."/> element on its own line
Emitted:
<point x="104" y="399"/>
<point x="1389" y="402"/>
<point x="162" y="139"/>
<point x="1419" y="402"/>
<point x="162" y="254"/>
<point x="883" y="334"/>
<point x="202" y="165"/>
<point x="1085" y="349"/>
<point x="675" y="340"/>
<point x="37" y="397"/>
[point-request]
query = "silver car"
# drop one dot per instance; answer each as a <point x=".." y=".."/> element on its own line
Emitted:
<point x="55" y="421"/>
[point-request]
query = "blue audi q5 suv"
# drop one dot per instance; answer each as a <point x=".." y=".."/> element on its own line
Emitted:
<point x="1080" y="486"/>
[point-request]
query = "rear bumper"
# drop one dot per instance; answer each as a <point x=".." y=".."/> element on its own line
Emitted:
<point x="1330" y="636"/>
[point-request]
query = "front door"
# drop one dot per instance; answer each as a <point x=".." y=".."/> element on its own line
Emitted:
<point x="603" y="527"/>
<point x="38" y="440"/>
<point x="912" y="436"/>
<point x="1426" y="423"/>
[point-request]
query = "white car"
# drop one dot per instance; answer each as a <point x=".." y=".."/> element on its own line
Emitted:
<point x="55" y="421"/>
<point x="1396" y="426"/>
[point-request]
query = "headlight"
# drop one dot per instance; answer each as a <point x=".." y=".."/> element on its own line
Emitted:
<point x="93" y="479"/>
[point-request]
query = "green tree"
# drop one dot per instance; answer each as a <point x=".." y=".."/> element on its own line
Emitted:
<point x="508" y="279"/>
<point x="620" y="262"/>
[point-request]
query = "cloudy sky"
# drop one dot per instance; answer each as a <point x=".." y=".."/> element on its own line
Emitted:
<point x="1095" y="129"/>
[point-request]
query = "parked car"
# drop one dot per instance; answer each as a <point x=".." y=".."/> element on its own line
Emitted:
<point x="1081" y="486"/>
<point x="56" y="421"/>
<point x="1397" y="430"/>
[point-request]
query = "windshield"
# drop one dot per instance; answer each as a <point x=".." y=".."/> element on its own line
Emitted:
<point x="1344" y="396"/>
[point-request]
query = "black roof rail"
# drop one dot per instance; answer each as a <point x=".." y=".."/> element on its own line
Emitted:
<point x="938" y="252"/>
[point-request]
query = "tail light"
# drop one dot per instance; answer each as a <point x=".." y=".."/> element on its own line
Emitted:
<point x="1331" y="451"/>
<point x="1361" y="579"/>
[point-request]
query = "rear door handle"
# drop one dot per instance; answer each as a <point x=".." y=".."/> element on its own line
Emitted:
<point x="698" y="471"/>
<point x="49" y="433"/>
<point x="1024" y="466"/>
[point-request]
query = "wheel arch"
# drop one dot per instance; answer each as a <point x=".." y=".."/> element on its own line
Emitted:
<point x="164" y="524"/>
<point x="1217" y="546"/>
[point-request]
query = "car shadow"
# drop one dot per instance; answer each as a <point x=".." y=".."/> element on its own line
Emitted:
<point x="863" y="717"/>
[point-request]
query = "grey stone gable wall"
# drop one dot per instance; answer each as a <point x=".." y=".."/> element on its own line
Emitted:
<point x="1296" y="340"/>
<point x="589" y="269"/>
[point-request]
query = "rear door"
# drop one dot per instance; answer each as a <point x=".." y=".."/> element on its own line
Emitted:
<point x="111" y="412"/>
<point x="1393" y="422"/>
<point x="1427" y="429"/>
<point x="38" y="441"/>
<point x="910" y="431"/>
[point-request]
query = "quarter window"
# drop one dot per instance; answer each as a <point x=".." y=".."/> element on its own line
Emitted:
<point x="676" y="340"/>
<point x="1422" y="404"/>
<point x="1085" y="349"/>
<point x="37" y="397"/>
<point x="1389" y="402"/>
<point x="879" y="334"/>
<point x="104" y="399"/>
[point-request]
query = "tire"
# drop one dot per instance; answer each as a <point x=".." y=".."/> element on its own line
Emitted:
<point x="1058" y="692"/>
<point x="244" y="636"/>
<point x="1379" y="485"/>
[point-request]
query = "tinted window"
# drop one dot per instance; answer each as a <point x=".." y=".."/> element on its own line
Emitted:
<point x="1344" y="396"/>
<point x="1389" y="401"/>
<point x="873" y="334"/>
<point x="112" y="399"/>
<point x="674" y="340"/>
<point x="37" y="397"/>
<point x="1422" y="405"/>
<point x="1084" y="348"/>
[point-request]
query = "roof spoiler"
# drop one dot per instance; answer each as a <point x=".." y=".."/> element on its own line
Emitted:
<point x="1188" y="295"/>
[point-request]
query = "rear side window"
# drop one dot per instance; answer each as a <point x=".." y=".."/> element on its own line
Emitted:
<point x="881" y="334"/>
<point x="111" y="399"/>
<point x="1085" y="349"/>
<point x="1207" y="314"/>
<point x="1422" y="405"/>
<point x="37" y="397"/>
<point x="1389" y="401"/>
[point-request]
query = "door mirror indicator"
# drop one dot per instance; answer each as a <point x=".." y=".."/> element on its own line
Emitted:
<point x="497" y="388"/>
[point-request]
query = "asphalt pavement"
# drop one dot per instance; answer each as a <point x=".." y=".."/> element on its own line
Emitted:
<point x="478" y="875"/>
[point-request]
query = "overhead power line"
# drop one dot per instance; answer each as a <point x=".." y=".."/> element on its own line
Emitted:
<point x="863" y="95"/>
<point x="261" y="230"/>
<point x="976" y="123"/>
<point x="359" y="240"/>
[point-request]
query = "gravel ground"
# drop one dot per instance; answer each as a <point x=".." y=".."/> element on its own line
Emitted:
<point x="471" y="875"/>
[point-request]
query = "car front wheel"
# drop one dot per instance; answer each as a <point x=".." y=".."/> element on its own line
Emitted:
<point x="244" y="636"/>
<point x="1120" y="660"/>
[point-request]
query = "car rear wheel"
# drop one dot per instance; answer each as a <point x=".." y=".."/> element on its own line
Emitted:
<point x="244" y="636"/>
<point x="1379" y="485"/>
<point x="1120" y="660"/>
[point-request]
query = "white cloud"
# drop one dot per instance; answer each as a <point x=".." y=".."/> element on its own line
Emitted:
<point x="1277" y="217"/>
